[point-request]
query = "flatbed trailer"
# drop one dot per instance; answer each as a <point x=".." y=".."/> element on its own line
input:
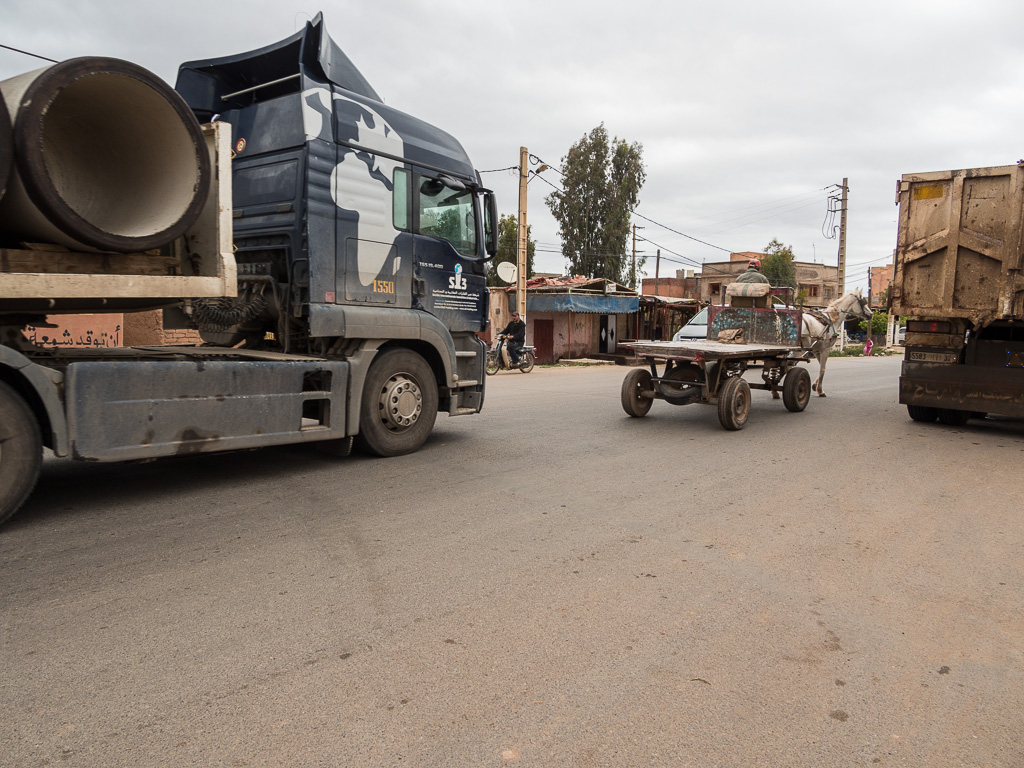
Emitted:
<point x="711" y="371"/>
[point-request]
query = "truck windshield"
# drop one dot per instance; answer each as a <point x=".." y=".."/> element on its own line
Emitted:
<point x="448" y="213"/>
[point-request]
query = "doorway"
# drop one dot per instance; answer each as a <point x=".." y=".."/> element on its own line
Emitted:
<point x="544" y="340"/>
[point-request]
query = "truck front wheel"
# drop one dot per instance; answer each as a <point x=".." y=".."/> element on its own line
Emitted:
<point x="399" y="404"/>
<point x="21" y="451"/>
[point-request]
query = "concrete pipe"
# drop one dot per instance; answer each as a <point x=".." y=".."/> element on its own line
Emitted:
<point x="6" y="147"/>
<point x="106" y="156"/>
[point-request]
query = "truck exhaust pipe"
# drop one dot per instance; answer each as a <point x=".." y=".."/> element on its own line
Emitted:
<point x="106" y="157"/>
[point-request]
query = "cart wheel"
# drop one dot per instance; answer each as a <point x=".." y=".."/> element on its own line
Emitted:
<point x="678" y="384"/>
<point x="923" y="413"/>
<point x="734" y="403"/>
<point x="796" y="389"/>
<point x="637" y="382"/>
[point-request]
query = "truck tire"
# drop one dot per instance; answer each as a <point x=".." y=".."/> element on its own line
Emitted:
<point x="923" y="413"/>
<point x="796" y="389"/>
<point x="681" y="385"/>
<point x="734" y="403"/>
<point x="21" y="451"/>
<point x="635" y="384"/>
<point x="954" y="417"/>
<point x="399" y="404"/>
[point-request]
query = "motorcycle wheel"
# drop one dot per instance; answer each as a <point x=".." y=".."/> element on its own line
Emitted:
<point x="491" y="367"/>
<point x="526" y="363"/>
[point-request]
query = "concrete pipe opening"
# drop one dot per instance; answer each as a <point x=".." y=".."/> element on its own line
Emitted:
<point x="110" y="155"/>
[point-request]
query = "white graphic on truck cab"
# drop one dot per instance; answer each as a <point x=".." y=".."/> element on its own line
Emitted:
<point x="361" y="182"/>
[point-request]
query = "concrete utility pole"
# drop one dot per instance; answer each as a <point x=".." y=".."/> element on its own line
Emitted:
<point x="842" y="241"/>
<point x="635" y="228"/>
<point x="524" y="159"/>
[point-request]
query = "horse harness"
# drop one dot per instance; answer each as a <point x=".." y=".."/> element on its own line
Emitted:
<point x="828" y="324"/>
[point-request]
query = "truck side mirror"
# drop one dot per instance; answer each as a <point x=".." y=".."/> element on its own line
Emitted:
<point x="490" y="224"/>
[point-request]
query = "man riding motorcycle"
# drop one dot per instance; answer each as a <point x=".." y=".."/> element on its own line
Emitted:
<point x="516" y="333"/>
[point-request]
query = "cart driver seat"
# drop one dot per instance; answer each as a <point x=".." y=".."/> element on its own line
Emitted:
<point x="749" y="295"/>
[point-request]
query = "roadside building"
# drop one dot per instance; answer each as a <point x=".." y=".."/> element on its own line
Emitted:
<point x="879" y="280"/>
<point x="568" y="317"/>
<point x="817" y="283"/>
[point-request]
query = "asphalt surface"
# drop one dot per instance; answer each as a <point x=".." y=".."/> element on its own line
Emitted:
<point x="549" y="583"/>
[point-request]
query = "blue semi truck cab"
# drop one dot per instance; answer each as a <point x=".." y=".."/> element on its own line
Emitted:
<point x="360" y="240"/>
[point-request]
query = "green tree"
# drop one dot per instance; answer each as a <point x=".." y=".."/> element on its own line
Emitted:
<point x="777" y="264"/>
<point x="879" y="324"/>
<point x="508" y="247"/>
<point x="601" y="181"/>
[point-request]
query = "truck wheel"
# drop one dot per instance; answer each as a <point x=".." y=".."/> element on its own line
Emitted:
<point x="399" y="404"/>
<point x="953" y="417"/>
<point x="636" y="383"/>
<point x="734" y="403"/>
<point x="491" y="366"/>
<point x="796" y="389"/>
<point x="526" y="362"/>
<point x="21" y="451"/>
<point x="923" y="413"/>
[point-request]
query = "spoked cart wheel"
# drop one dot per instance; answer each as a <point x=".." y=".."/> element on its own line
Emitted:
<point x="636" y="383"/>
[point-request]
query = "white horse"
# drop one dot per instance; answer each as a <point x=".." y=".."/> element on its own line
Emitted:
<point x="821" y="328"/>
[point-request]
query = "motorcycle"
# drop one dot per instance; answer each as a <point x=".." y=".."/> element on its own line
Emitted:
<point x="498" y="358"/>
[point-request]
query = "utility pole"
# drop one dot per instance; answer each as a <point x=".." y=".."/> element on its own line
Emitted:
<point x="524" y="159"/>
<point x="657" y="269"/>
<point x="842" y="240"/>
<point x="633" y="273"/>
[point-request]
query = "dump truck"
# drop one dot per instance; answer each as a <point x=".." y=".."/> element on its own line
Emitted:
<point x="958" y="281"/>
<point x="329" y="249"/>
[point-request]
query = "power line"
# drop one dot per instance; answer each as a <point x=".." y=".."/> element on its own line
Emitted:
<point x="765" y="218"/>
<point x="784" y="200"/>
<point x="639" y="215"/>
<point x="27" y="53"/>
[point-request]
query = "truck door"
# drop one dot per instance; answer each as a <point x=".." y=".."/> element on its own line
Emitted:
<point x="445" y="252"/>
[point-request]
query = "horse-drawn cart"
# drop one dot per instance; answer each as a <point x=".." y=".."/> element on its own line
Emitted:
<point x="711" y="371"/>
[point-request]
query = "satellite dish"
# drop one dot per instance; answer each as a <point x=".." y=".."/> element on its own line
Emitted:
<point x="507" y="271"/>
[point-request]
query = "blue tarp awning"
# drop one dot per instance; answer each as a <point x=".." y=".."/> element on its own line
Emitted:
<point x="581" y="302"/>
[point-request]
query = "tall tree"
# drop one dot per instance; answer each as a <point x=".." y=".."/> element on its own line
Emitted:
<point x="508" y="248"/>
<point x="777" y="264"/>
<point x="602" y="181"/>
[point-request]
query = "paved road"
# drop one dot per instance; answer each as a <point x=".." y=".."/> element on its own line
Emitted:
<point x="550" y="583"/>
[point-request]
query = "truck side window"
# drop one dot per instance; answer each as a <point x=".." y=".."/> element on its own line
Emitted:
<point x="401" y="199"/>
<point x="448" y="213"/>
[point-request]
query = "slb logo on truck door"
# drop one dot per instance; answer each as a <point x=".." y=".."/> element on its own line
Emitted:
<point x="457" y="281"/>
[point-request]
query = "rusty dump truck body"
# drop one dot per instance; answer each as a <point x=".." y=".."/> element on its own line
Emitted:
<point x="958" y="281"/>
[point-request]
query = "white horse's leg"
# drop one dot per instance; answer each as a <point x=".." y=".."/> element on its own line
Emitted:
<point x="822" y="355"/>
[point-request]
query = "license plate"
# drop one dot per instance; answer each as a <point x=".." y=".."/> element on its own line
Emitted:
<point x="933" y="357"/>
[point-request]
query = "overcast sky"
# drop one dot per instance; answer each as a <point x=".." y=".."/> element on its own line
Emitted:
<point x="748" y="111"/>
